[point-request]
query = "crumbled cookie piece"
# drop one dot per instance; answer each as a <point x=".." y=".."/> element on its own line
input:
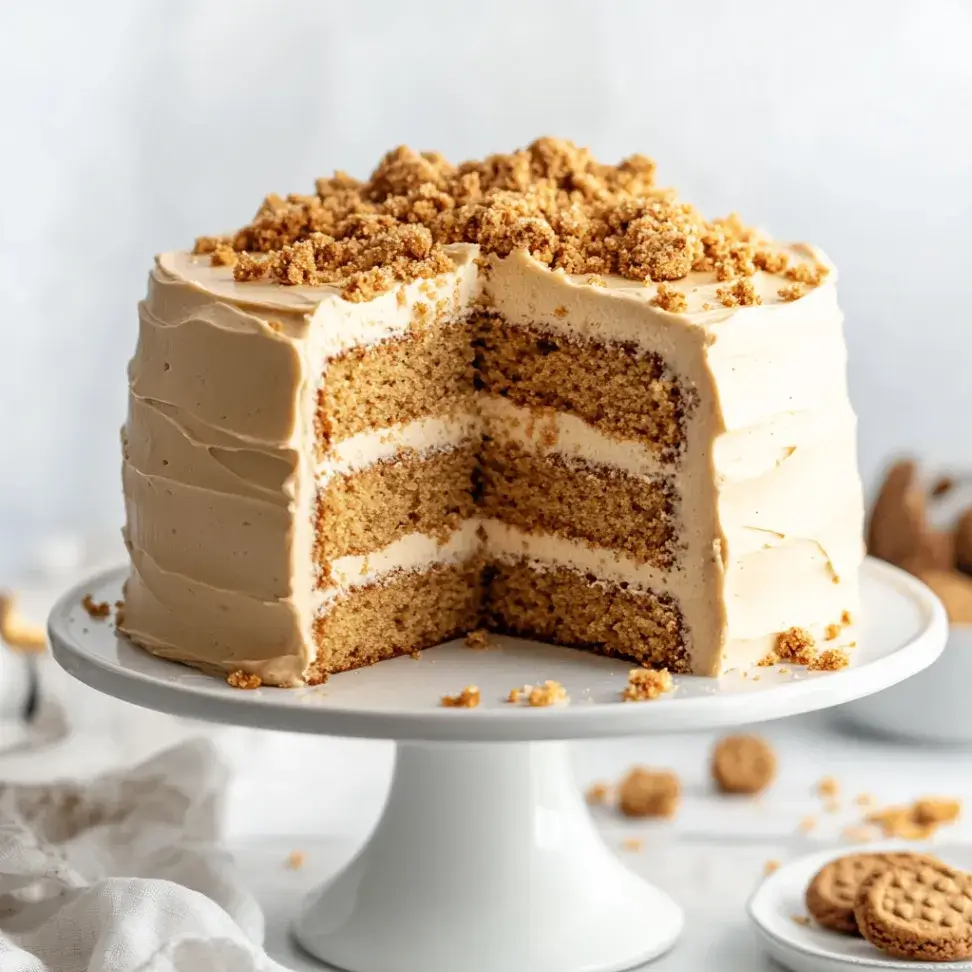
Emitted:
<point x="645" y="684"/>
<point x="468" y="698"/>
<point x="832" y="631"/>
<point x="936" y="810"/>
<point x="670" y="299"/>
<point x="829" y="660"/>
<point x="741" y="294"/>
<point x="858" y="835"/>
<point x="16" y="632"/>
<point x="806" y="825"/>
<point x="295" y="860"/>
<point x="224" y="256"/>
<point x="828" y="787"/>
<point x="239" y="679"/>
<point x="801" y="919"/>
<point x="796" y="645"/>
<point x="477" y="639"/>
<point x="550" y="693"/>
<point x="811" y="274"/>
<point x="770" y="866"/>
<point x="598" y="794"/>
<point x="633" y="845"/>
<point x="97" y="609"/>
<point x="649" y="793"/>
<point x="790" y="292"/>
<point x="743" y="764"/>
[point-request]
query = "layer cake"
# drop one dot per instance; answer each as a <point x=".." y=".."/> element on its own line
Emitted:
<point x="532" y="393"/>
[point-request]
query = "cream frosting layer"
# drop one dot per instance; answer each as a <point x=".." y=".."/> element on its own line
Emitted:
<point x="220" y="471"/>
<point x="437" y="433"/>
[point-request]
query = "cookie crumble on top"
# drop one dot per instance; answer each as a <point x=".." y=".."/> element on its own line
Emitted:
<point x="552" y="199"/>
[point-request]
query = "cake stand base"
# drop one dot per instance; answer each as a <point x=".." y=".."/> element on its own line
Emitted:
<point x="486" y="858"/>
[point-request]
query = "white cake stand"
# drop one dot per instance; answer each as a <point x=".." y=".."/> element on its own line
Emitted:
<point x="485" y="858"/>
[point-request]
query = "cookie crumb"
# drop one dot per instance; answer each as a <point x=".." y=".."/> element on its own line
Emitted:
<point x="633" y="845"/>
<point x="477" y="639"/>
<point x="829" y="660"/>
<point x="864" y="799"/>
<point x="743" y="764"/>
<point x="239" y="679"/>
<point x="97" y="609"/>
<point x="770" y="866"/>
<point x="832" y="631"/>
<point x="790" y="292"/>
<point x="796" y="645"/>
<point x="828" y="787"/>
<point x="468" y="698"/>
<point x="645" y="684"/>
<point x="649" y="793"/>
<point x="669" y="299"/>
<point x="741" y="294"/>
<point x="415" y="655"/>
<point x="516" y="695"/>
<point x="801" y="919"/>
<point x="806" y="825"/>
<point x="16" y="632"/>
<point x="550" y="693"/>
<point x="832" y="806"/>
<point x="598" y="794"/>
<point x="295" y="860"/>
<point x="936" y="810"/>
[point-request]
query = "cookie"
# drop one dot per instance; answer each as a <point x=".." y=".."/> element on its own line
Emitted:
<point x="922" y="913"/>
<point x="743" y="764"/>
<point x="833" y="891"/>
<point x="649" y="793"/>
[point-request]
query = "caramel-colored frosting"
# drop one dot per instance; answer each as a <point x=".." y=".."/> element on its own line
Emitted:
<point x="220" y="469"/>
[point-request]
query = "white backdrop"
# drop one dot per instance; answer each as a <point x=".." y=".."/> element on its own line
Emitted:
<point x="130" y="126"/>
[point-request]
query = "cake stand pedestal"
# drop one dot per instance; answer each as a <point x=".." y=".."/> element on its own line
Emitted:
<point x="485" y="858"/>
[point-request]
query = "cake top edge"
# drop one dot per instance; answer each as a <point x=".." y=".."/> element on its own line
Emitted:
<point x="552" y="200"/>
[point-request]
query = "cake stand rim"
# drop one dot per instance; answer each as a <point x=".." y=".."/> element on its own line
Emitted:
<point x="212" y="700"/>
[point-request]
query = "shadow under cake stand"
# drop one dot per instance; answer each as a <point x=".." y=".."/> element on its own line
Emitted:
<point x="485" y="857"/>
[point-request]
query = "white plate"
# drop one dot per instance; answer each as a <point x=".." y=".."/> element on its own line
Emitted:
<point x="810" y="948"/>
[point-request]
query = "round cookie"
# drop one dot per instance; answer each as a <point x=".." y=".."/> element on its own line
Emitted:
<point x="743" y="764"/>
<point x="922" y="913"/>
<point x="833" y="890"/>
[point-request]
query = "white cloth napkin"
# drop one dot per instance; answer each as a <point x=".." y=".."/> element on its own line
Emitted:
<point x="124" y="873"/>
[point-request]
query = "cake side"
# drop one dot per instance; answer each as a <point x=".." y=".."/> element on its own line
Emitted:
<point x="212" y="465"/>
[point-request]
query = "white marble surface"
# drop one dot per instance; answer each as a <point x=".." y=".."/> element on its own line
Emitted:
<point x="322" y="795"/>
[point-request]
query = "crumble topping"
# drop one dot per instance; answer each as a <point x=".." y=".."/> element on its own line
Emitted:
<point x="468" y="698"/>
<point x="792" y="291"/>
<point x="645" y="684"/>
<point x="741" y="294"/>
<point x="243" y="680"/>
<point x="670" y="299"/>
<point x="97" y="609"/>
<point x="552" y="199"/>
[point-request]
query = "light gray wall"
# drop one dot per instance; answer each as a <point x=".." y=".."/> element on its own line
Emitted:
<point x="130" y="126"/>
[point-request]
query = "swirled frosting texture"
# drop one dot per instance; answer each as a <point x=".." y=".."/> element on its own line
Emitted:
<point x="220" y="468"/>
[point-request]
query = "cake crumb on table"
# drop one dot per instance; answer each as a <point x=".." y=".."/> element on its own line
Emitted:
<point x="295" y="860"/>
<point x="477" y="639"/>
<point x="598" y="794"/>
<point x="743" y="764"/>
<point x="16" y="632"/>
<point x="645" y="684"/>
<point x="97" y="609"/>
<point x="828" y="787"/>
<point x="468" y="698"/>
<point x="649" y="793"/>
<point x="243" y="680"/>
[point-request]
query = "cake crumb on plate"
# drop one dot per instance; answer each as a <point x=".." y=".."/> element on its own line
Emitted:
<point x="243" y="680"/>
<point x="468" y="698"/>
<point x="645" y="684"/>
